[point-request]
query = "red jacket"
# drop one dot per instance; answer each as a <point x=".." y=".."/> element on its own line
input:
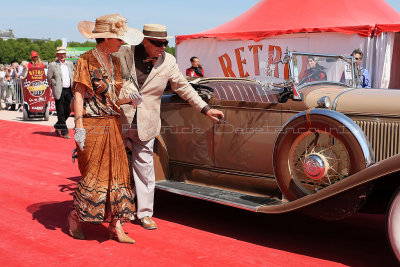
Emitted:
<point x="314" y="75"/>
<point x="30" y="65"/>
<point x="190" y="72"/>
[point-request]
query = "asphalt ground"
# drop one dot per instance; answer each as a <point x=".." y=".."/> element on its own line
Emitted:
<point x="17" y="117"/>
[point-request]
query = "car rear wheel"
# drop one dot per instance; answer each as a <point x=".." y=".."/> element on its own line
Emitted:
<point x="25" y="114"/>
<point x="47" y="113"/>
<point x="313" y="153"/>
<point x="393" y="224"/>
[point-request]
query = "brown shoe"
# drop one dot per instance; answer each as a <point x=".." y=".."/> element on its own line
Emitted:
<point x="74" y="226"/>
<point x="115" y="230"/>
<point x="148" y="223"/>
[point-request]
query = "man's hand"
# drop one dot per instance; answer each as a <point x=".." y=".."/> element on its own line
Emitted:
<point x="215" y="114"/>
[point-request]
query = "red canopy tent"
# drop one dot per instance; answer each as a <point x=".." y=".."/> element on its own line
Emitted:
<point x="271" y="26"/>
<point x="275" y="17"/>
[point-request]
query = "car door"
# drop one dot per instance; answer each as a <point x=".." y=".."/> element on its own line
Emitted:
<point x="188" y="134"/>
<point x="253" y="119"/>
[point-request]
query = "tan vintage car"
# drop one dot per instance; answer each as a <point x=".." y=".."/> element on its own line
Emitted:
<point x="314" y="142"/>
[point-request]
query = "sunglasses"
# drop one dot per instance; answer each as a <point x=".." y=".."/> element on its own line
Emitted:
<point x="357" y="58"/>
<point x="158" y="43"/>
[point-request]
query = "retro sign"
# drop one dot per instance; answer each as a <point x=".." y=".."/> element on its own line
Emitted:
<point x="36" y="93"/>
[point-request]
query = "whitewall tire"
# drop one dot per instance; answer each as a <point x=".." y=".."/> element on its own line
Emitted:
<point x="393" y="224"/>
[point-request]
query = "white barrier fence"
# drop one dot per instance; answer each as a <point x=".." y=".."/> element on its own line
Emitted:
<point x="11" y="93"/>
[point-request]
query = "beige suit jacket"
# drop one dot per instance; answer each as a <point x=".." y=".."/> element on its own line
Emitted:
<point x="54" y="77"/>
<point x="148" y="112"/>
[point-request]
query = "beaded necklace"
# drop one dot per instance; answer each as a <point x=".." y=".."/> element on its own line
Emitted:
<point x="112" y="83"/>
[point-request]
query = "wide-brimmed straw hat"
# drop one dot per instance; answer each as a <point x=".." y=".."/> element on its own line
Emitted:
<point x="110" y="26"/>
<point x="156" y="31"/>
<point x="61" y="50"/>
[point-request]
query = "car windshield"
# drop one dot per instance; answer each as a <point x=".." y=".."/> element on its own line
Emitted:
<point x="313" y="68"/>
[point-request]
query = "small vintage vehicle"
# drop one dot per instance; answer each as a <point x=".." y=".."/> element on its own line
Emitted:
<point x="36" y="95"/>
<point x="326" y="148"/>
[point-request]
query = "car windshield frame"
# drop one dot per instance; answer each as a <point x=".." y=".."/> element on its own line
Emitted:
<point x="348" y="62"/>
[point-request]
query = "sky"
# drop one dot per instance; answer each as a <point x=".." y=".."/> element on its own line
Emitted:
<point x="59" y="19"/>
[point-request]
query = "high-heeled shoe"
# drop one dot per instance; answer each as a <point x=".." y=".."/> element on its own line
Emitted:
<point x="74" y="226"/>
<point x="115" y="230"/>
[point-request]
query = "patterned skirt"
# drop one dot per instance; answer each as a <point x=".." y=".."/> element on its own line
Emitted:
<point x="105" y="188"/>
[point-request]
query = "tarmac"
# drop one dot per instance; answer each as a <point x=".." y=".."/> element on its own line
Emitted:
<point x="17" y="116"/>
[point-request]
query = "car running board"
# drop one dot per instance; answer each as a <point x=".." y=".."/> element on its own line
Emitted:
<point x="229" y="198"/>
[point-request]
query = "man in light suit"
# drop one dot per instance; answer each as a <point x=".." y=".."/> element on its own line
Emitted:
<point x="59" y="76"/>
<point x="149" y="69"/>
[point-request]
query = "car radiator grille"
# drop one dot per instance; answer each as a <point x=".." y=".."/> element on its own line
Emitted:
<point x="384" y="138"/>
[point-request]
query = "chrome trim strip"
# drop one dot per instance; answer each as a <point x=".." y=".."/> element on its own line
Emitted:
<point x="320" y="55"/>
<point x="220" y="170"/>
<point x="233" y="93"/>
<point x="202" y="197"/>
<point x="324" y="83"/>
<point x="339" y="95"/>
<point x="349" y="124"/>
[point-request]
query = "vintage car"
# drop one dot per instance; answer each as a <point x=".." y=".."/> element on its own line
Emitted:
<point x="317" y="144"/>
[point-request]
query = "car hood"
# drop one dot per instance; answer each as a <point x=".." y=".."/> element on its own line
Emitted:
<point x="356" y="100"/>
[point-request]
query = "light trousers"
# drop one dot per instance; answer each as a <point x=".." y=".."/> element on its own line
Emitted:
<point x="143" y="171"/>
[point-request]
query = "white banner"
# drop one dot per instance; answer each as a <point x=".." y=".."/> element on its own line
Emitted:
<point x="238" y="58"/>
<point x="256" y="59"/>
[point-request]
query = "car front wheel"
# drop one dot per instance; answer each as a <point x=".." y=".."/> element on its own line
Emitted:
<point x="393" y="224"/>
<point x="312" y="152"/>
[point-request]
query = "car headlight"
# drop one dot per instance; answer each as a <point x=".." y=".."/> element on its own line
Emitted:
<point x="324" y="102"/>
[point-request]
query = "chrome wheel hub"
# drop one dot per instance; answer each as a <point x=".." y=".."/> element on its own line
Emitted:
<point x="315" y="166"/>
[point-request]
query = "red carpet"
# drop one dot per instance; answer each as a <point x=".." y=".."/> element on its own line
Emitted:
<point x="37" y="182"/>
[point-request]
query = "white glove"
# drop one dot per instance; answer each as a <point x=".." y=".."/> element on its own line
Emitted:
<point x="136" y="98"/>
<point x="80" y="137"/>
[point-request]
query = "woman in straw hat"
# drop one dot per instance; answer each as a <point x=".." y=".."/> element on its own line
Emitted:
<point x="104" y="191"/>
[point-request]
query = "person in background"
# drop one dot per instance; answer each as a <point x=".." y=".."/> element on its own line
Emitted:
<point x="363" y="74"/>
<point x="8" y="84"/>
<point x="314" y="72"/>
<point x="60" y="76"/>
<point x="196" y="70"/>
<point x="22" y="67"/>
<point x="13" y="82"/>
<point x="2" y="71"/>
<point x="15" y="70"/>
<point x="2" y="84"/>
<point x="104" y="193"/>
<point x="36" y="62"/>
<point x="46" y="66"/>
<point x="149" y="68"/>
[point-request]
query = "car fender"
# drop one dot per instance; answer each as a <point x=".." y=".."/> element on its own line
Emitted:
<point x="346" y="122"/>
<point x="373" y="172"/>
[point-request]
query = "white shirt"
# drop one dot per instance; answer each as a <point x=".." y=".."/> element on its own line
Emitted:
<point x="65" y="75"/>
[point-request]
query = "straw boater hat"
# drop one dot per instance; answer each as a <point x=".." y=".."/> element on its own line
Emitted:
<point x="110" y="26"/>
<point x="156" y="31"/>
<point x="61" y="50"/>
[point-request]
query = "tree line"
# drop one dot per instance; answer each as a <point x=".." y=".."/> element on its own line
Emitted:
<point x="20" y="49"/>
